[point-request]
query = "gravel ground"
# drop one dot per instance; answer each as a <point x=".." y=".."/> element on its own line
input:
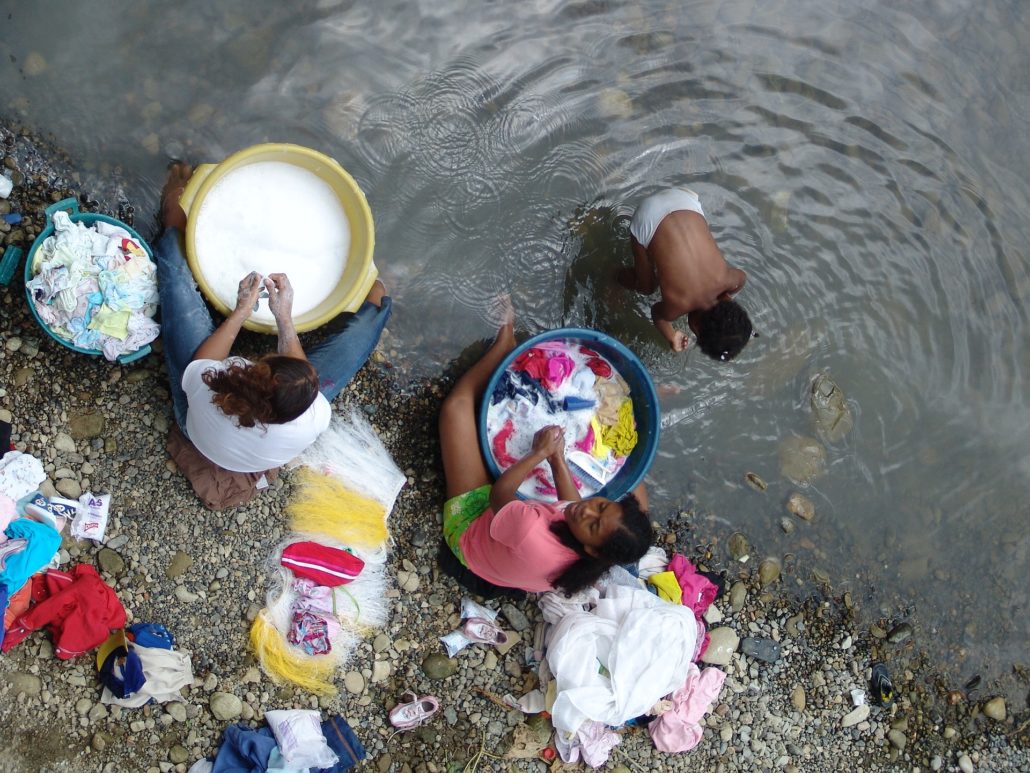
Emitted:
<point x="102" y="427"/>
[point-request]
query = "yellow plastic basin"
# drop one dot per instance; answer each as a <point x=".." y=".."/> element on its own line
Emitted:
<point x="359" y="273"/>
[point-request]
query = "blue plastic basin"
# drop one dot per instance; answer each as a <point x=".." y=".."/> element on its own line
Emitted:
<point x="71" y="206"/>
<point x="642" y="392"/>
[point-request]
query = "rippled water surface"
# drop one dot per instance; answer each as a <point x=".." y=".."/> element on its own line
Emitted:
<point x="867" y="166"/>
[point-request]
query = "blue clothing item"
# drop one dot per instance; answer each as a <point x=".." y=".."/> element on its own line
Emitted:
<point x="184" y="311"/>
<point x="244" y="750"/>
<point x="517" y="384"/>
<point x="573" y="403"/>
<point x="151" y="635"/>
<point x="248" y="750"/>
<point x="29" y="548"/>
<point x="341" y="739"/>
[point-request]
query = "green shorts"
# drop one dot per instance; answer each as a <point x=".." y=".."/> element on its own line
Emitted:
<point x="459" y="512"/>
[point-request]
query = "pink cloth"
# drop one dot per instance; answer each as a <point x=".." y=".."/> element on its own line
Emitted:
<point x="698" y="591"/>
<point x="679" y="729"/>
<point x="549" y="368"/>
<point x="515" y="547"/>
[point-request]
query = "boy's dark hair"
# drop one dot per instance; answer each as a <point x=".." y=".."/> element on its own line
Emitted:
<point x="723" y="330"/>
<point x="627" y="544"/>
<point x="274" y="390"/>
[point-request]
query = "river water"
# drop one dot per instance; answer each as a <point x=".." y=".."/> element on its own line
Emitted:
<point x="867" y="166"/>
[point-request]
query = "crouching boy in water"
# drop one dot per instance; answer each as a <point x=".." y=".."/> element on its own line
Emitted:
<point x="673" y="250"/>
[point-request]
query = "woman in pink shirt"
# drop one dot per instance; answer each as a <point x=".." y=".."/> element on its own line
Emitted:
<point x="513" y="543"/>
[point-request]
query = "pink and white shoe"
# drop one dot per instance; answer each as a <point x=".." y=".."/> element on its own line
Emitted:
<point x="483" y="631"/>
<point x="408" y="715"/>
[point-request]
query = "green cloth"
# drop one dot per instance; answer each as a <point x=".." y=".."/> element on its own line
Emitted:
<point x="459" y="512"/>
<point x="113" y="323"/>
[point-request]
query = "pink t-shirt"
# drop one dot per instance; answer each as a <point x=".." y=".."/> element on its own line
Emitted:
<point x="515" y="547"/>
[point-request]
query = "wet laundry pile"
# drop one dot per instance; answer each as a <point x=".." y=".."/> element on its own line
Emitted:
<point x="329" y="576"/>
<point x="295" y="741"/>
<point x="95" y="287"/>
<point x="621" y="653"/>
<point x="570" y="385"/>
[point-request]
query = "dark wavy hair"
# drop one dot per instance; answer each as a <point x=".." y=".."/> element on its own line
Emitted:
<point x="626" y="544"/>
<point x="724" y="330"/>
<point x="273" y="390"/>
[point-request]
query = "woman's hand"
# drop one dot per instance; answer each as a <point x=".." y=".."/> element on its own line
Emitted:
<point x="549" y="442"/>
<point x="247" y="294"/>
<point x="280" y="296"/>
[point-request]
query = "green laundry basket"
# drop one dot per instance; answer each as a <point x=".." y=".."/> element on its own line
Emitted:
<point x="13" y="255"/>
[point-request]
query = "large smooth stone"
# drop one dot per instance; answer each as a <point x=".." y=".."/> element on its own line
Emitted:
<point x="802" y="459"/>
<point x="439" y="666"/>
<point x="721" y="646"/>
<point x="830" y="409"/>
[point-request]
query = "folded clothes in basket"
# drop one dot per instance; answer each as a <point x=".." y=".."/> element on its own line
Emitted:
<point x="95" y="287"/>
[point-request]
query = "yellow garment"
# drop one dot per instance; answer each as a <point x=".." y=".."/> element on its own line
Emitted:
<point x="600" y="450"/>
<point x="622" y="437"/>
<point x="668" y="586"/>
<point x="285" y="663"/>
<point x="323" y="505"/>
<point x="111" y="322"/>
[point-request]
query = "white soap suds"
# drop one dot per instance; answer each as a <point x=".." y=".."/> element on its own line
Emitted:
<point x="272" y="217"/>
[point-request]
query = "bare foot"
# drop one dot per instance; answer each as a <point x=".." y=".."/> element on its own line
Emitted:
<point x="172" y="215"/>
<point x="376" y="294"/>
<point x="500" y="310"/>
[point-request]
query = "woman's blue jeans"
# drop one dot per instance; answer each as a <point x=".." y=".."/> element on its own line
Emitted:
<point x="186" y="323"/>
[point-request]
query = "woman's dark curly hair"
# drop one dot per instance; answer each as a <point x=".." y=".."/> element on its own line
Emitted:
<point x="627" y="544"/>
<point x="273" y="390"/>
<point x="723" y="330"/>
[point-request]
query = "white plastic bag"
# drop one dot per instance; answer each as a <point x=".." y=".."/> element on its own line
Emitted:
<point x="91" y="520"/>
<point x="299" y="735"/>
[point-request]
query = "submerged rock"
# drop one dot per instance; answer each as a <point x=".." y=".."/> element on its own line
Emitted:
<point x="802" y="459"/>
<point x="755" y="482"/>
<point x="739" y="546"/>
<point x="768" y="571"/>
<point x="833" y="417"/>
<point x="801" y="506"/>
<point x="900" y="633"/>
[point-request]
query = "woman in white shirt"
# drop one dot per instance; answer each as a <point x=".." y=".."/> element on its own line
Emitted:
<point x="250" y="416"/>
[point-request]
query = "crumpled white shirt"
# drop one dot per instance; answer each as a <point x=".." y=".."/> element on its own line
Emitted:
<point x="616" y="662"/>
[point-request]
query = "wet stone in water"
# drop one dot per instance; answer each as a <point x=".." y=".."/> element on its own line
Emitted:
<point x="802" y="459"/>
<point x="801" y="506"/>
<point x="755" y="482"/>
<point x="739" y="546"/>
<point x="833" y="417"/>
<point x="900" y="633"/>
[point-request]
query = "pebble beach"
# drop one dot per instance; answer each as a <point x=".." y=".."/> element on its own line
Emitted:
<point x="102" y="427"/>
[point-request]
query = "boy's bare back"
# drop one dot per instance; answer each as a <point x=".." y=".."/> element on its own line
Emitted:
<point x="689" y="268"/>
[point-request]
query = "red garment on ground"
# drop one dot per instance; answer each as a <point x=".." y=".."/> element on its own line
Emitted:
<point x="80" y="608"/>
